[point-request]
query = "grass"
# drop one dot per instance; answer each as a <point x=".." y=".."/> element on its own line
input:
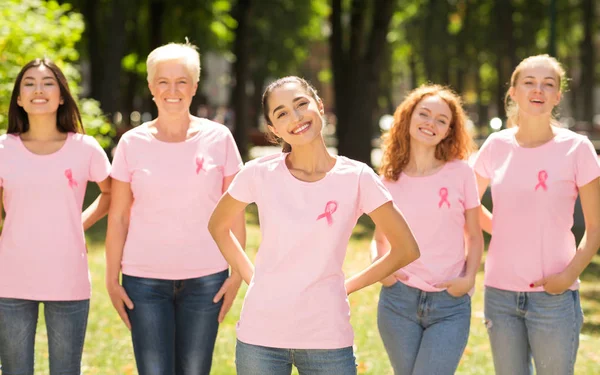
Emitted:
<point x="108" y="346"/>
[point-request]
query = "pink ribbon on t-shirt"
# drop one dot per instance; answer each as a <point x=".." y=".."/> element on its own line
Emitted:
<point x="444" y="195"/>
<point x="199" y="164"/>
<point x="330" y="208"/>
<point x="69" y="176"/>
<point x="542" y="177"/>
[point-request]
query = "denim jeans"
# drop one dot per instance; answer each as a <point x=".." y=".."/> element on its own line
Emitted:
<point x="262" y="360"/>
<point x="423" y="332"/>
<point x="174" y="323"/>
<point x="66" y="322"/>
<point x="538" y="325"/>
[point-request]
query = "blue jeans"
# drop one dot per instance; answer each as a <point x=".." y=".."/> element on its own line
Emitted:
<point x="538" y="325"/>
<point x="423" y="332"/>
<point x="174" y="323"/>
<point x="262" y="360"/>
<point x="66" y="322"/>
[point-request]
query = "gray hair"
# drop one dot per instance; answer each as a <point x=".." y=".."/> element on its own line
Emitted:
<point x="186" y="53"/>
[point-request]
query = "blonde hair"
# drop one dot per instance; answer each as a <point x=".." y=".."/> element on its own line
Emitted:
<point x="458" y="144"/>
<point x="184" y="52"/>
<point x="511" y="108"/>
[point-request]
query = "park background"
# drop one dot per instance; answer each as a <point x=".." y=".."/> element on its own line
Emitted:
<point x="362" y="55"/>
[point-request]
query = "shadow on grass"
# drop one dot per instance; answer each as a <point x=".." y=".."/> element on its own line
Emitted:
<point x="364" y="228"/>
<point x="97" y="233"/>
<point x="252" y="214"/>
<point x="591" y="326"/>
<point x="592" y="272"/>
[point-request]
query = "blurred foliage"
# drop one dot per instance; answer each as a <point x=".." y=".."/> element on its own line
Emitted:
<point x="35" y="28"/>
<point x="471" y="45"/>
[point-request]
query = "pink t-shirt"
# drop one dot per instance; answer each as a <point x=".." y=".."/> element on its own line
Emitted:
<point x="297" y="298"/>
<point x="434" y="207"/>
<point x="533" y="192"/>
<point x="175" y="186"/>
<point x="42" y="246"/>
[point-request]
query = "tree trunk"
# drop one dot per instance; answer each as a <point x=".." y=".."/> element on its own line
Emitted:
<point x="339" y="68"/>
<point x="95" y="55"/>
<point x="113" y="54"/>
<point x="412" y="63"/>
<point x="157" y="9"/>
<point x="358" y="107"/>
<point x="587" y="63"/>
<point x="482" y="117"/>
<point x="259" y="77"/>
<point x="505" y="42"/>
<point x="462" y="63"/>
<point x="238" y="96"/>
<point x="427" y="44"/>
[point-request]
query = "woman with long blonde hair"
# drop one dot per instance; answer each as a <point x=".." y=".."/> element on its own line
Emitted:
<point x="536" y="170"/>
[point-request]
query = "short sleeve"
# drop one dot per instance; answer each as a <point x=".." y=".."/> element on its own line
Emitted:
<point x="242" y="188"/>
<point x="99" y="165"/>
<point x="483" y="160"/>
<point x="372" y="192"/>
<point x="471" y="192"/>
<point x="120" y="168"/>
<point x="587" y="166"/>
<point x="233" y="159"/>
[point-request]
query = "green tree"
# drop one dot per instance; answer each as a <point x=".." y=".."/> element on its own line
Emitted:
<point x="36" y="28"/>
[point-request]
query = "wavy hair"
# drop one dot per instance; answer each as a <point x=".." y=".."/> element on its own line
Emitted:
<point x="458" y="144"/>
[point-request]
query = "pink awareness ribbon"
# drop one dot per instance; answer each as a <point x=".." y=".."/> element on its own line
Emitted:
<point x="69" y="176"/>
<point x="199" y="164"/>
<point x="330" y="208"/>
<point x="542" y="177"/>
<point x="444" y="197"/>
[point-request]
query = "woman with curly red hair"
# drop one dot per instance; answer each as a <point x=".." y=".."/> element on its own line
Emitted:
<point x="425" y="308"/>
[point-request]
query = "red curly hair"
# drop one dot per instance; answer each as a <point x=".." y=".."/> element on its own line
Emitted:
<point x="458" y="144"/>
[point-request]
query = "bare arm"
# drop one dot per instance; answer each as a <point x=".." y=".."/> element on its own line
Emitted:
<point x="485" y="216"/>
<point x="231" y="286"/>
<point x="473" y="242"/>
<point x="239" y="223"/>
<point x="220" y="226"/>
<point x="99" y="208"/>
<point x="403" y="249"/>
<point x="116" y="234"/>
<point x="588" y="246"/>
<point x="379" y="247"/>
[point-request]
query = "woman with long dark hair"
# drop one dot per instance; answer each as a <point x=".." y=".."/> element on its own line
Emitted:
<point x="46" y="161"/>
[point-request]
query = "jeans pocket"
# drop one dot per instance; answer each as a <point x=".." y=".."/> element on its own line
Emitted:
<point x="390" y="286"/>
<point x="466" y="295"/>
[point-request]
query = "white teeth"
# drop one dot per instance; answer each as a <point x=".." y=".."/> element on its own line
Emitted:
<point x="426" y="131"/>
<point x="298" y="130"/>
<point x="38" y="101"/>
<point x="173" y="100"/>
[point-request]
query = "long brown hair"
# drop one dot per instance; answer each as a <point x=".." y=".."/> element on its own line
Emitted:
<point x="310" y="90"/>
<point x="68" y="118"/>
<point x="511" y="108"/>
<point x="458" y="144"/>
